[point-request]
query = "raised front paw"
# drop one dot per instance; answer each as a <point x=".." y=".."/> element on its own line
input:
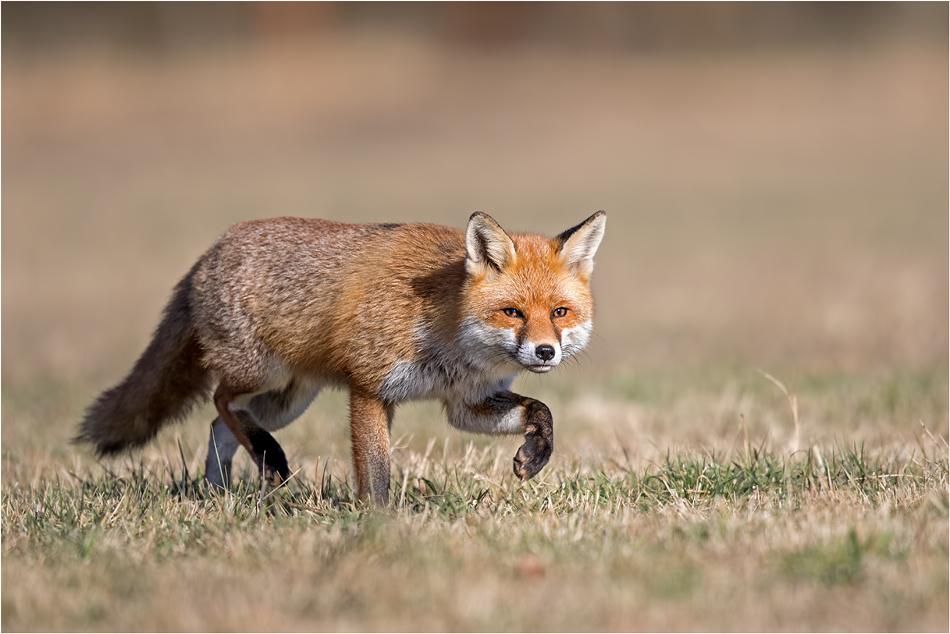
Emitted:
<point x="539" y="441"/>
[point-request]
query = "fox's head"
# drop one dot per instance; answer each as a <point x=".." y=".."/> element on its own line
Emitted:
<point x="527" y="297"/>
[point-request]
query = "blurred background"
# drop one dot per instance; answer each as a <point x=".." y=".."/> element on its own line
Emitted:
<point x="776" y="175"/>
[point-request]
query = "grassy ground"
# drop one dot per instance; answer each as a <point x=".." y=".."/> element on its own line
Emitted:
<point x="836" y="539"/>
<point x="783" y="211"/>
<point x="719" y="525"/>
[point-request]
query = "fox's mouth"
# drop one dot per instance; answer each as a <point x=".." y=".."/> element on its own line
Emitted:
<point x="540" y="368"/>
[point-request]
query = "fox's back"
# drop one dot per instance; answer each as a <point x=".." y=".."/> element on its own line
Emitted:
<point x="336" y="299"/>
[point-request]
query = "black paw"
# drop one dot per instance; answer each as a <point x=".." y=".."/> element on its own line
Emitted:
<point x="268" y="455"/>
<point x="539" y="441"/>
<point x="275" y="468"/>
<point x="531" y="457"/>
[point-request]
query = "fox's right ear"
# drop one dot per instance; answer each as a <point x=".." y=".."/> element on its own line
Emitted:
<point x="487" y="245"/>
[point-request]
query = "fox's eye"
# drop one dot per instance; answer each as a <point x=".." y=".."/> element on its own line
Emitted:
<point x="512" y="312"/>
<point x="559" y="312"/>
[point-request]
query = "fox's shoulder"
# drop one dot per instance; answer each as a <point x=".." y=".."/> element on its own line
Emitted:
<point x="422" y="242"/>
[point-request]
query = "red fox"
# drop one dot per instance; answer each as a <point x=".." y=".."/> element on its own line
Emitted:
<point x="278" y="309"/>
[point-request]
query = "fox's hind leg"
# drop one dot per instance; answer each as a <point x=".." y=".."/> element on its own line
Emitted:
<point x="274" y="410"/>
<point x="508" y="413"/>
<point x="221" y="449"/>
<point x="265" y="451"/>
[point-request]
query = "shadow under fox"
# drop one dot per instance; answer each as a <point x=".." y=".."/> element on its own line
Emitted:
<point x="278" y="309"/>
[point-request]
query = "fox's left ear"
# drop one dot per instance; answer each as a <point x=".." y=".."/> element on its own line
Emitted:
<point x="579" y="244"/>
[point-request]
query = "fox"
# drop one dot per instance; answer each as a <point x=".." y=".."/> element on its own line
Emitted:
<point x="279" y="309"/>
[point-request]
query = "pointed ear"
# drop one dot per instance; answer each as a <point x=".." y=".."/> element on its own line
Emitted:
<point x="579" y="244"/>
<point x="487" y="245"/>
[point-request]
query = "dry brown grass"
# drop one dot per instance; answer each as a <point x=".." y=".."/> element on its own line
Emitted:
<point x="855" y="542"/>
<point x="786" y="211"/>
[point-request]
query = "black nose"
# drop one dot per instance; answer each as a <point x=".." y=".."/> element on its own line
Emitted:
<point x="544" y="352"/>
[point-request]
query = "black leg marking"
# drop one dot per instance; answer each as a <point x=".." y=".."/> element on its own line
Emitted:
<point x="267" y="452"/>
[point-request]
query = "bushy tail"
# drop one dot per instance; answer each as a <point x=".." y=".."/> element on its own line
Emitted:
<point x="166" y="382"/>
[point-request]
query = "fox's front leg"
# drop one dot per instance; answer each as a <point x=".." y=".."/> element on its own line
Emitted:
<point x="508" y="413"/>
<point x="370" y="422"/>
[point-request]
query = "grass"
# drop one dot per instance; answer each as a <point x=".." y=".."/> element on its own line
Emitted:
<point x="674" y="501"/>
<point x="840" y="536"/>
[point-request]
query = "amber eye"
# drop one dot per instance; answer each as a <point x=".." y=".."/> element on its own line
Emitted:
<point x="512" y="312"/>
<point x="559" y="312"/>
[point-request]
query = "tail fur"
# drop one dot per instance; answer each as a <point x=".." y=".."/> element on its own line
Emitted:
<point x="165" y="383"/>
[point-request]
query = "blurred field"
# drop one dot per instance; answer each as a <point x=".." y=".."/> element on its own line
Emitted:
<point x="784" y="210"/>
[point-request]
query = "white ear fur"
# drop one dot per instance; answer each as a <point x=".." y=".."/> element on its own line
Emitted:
<point x="579" y="244"/>
<point x="487" y="245"/>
